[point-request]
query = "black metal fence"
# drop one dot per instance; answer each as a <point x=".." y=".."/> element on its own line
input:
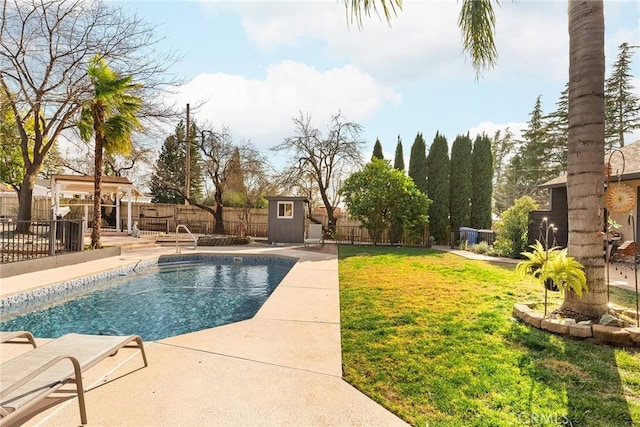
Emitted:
<point x="24" y="240"/>
<point x="233" y="228"/>
<point x="359" y="235"/>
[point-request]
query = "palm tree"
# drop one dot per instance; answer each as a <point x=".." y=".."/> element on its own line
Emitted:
<point x="586" y="122"/>
<point x="585" y="161"/>
<point x="109" y="117"/>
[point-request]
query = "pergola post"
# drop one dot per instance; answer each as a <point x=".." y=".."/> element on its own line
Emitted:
<point x="129" y="210"/>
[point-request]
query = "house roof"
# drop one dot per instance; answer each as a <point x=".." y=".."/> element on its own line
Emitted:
<point x="625" y="164"/>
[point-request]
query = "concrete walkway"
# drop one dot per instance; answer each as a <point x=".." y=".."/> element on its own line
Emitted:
<point x="283" y="367"/>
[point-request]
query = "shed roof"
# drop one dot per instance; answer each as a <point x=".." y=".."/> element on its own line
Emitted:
<point x="629" y="156"/>
<point x="289" y="198"/>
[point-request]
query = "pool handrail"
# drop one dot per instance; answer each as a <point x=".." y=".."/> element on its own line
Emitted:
<point x="195" y="240"/>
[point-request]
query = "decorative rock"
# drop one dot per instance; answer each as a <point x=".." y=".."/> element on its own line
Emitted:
<point x="580" y="331"/>
<point x="609" y="320"/>
<point x="533" y="319"/>
<point x="554" y="326"/>
<point x="612" y="335"/>
<point x="520" y="309"/>
<point x="569" y="321"/>
<point x="585" y="322"/>
<point x="634" y="333"/>
<point x="631" y="313"/>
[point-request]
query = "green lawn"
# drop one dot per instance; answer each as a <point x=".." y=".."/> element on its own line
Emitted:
<point x="429" y="335"/>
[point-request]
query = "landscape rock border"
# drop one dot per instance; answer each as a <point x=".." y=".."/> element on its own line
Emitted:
<point x="613" y="335"/>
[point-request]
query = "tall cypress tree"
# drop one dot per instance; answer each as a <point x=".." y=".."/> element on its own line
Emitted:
<point x="460" y="182"/>
<point x="481" y="182"/>
<point x="438" y="167"/>
<point x="398" y="162"/>
<point x="622" y="105"/>
<point x="377" y="150"/>
<point x="418" y="163"/>
<point x="396" y="229"/>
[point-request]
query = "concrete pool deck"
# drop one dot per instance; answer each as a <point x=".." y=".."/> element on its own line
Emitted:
<point x="282" y="367"/>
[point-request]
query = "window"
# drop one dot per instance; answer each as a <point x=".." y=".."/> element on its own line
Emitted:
<point x="285" y="209"/>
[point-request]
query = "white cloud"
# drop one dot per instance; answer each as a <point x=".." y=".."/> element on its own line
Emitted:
<point x="490" y="128"/>
<point x="422" y="42"/>
<point x="262" y="110"/>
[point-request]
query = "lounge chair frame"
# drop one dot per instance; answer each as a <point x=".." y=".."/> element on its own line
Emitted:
<point x="32" y="376"/>
<point x="10" y="337"/>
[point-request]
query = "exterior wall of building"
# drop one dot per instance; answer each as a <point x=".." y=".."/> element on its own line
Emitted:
<point x="288" y="228"/>
<point x="556" y="215"/>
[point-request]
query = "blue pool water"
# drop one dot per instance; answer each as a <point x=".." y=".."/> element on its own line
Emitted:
<point x="163" y="302"/>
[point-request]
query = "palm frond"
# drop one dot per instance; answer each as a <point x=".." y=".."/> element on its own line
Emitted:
<point x="477" y="21"/>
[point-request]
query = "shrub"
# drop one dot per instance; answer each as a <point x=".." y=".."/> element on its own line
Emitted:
<point x="513" y="229"/>
<point x="481" y="248"/>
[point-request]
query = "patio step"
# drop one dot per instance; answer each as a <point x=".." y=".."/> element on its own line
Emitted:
<point x="138" y="245"/>
<point x="171" y="241"/>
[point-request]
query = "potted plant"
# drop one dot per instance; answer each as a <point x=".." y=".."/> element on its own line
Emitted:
<point x="553" y="268"/>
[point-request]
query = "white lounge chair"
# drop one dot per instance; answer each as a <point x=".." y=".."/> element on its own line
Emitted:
<point x="32" y="376"/>
<point x="314" y="235"/>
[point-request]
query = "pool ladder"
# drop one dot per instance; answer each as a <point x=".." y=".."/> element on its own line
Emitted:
<point x="195" y="241"/>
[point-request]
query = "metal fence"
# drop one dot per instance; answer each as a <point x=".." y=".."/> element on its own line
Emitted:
<point x="359" y="235"/>
<point x="41" y="239"/>
<point x="233" y="228"/>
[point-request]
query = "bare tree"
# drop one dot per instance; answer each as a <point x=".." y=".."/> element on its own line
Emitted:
<point x="45" y="46"/>
<point x="324" y="159"/>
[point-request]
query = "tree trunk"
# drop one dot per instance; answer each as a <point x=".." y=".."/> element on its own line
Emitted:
<point x="25" y="196"/>
<point x="219" y="227"/>
<point x="97" y="195"/>
<point x="586" y="151"/>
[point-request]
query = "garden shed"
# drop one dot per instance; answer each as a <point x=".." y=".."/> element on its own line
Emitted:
<point x="286" y="219"/>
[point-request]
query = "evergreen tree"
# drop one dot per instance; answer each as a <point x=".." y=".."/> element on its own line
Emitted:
<point x="418" y="163"/>
<point x="512" y="185"/>
<point x="502" y="147"/>
<point x="377" y="150"/>
<point x="438" y="188"/>
<point x="398" y="163"/>
<point x="481" y="183"/>
<point x="537" y="162"/>
<point x="460" y="182"/>
<point x="622" y="105"/>
<point x="395" y="230"/>
<point x="558" y="132"/>
<point x="167" y="182"/>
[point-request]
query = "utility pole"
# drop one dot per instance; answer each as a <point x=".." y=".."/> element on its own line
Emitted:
<point x="187" y="156"/>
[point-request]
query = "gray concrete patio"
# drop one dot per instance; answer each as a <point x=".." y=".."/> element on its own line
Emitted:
<point x="283" y="367"/>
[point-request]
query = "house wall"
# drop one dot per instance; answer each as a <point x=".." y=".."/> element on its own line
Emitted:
<point x="622" y="218"/>
<point x="556" y="215"/>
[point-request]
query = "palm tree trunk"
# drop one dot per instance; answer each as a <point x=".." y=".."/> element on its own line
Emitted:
<point x="586" y="151"/>
<point x="97" y="195"/>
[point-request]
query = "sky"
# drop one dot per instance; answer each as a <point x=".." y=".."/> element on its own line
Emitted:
<point x="253" y="66"/>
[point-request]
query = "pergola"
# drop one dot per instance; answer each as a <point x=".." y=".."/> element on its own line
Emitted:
<point x="83" y="185"/>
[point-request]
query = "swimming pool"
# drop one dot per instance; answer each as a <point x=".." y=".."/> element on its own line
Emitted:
<point x="173" y="297"/>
